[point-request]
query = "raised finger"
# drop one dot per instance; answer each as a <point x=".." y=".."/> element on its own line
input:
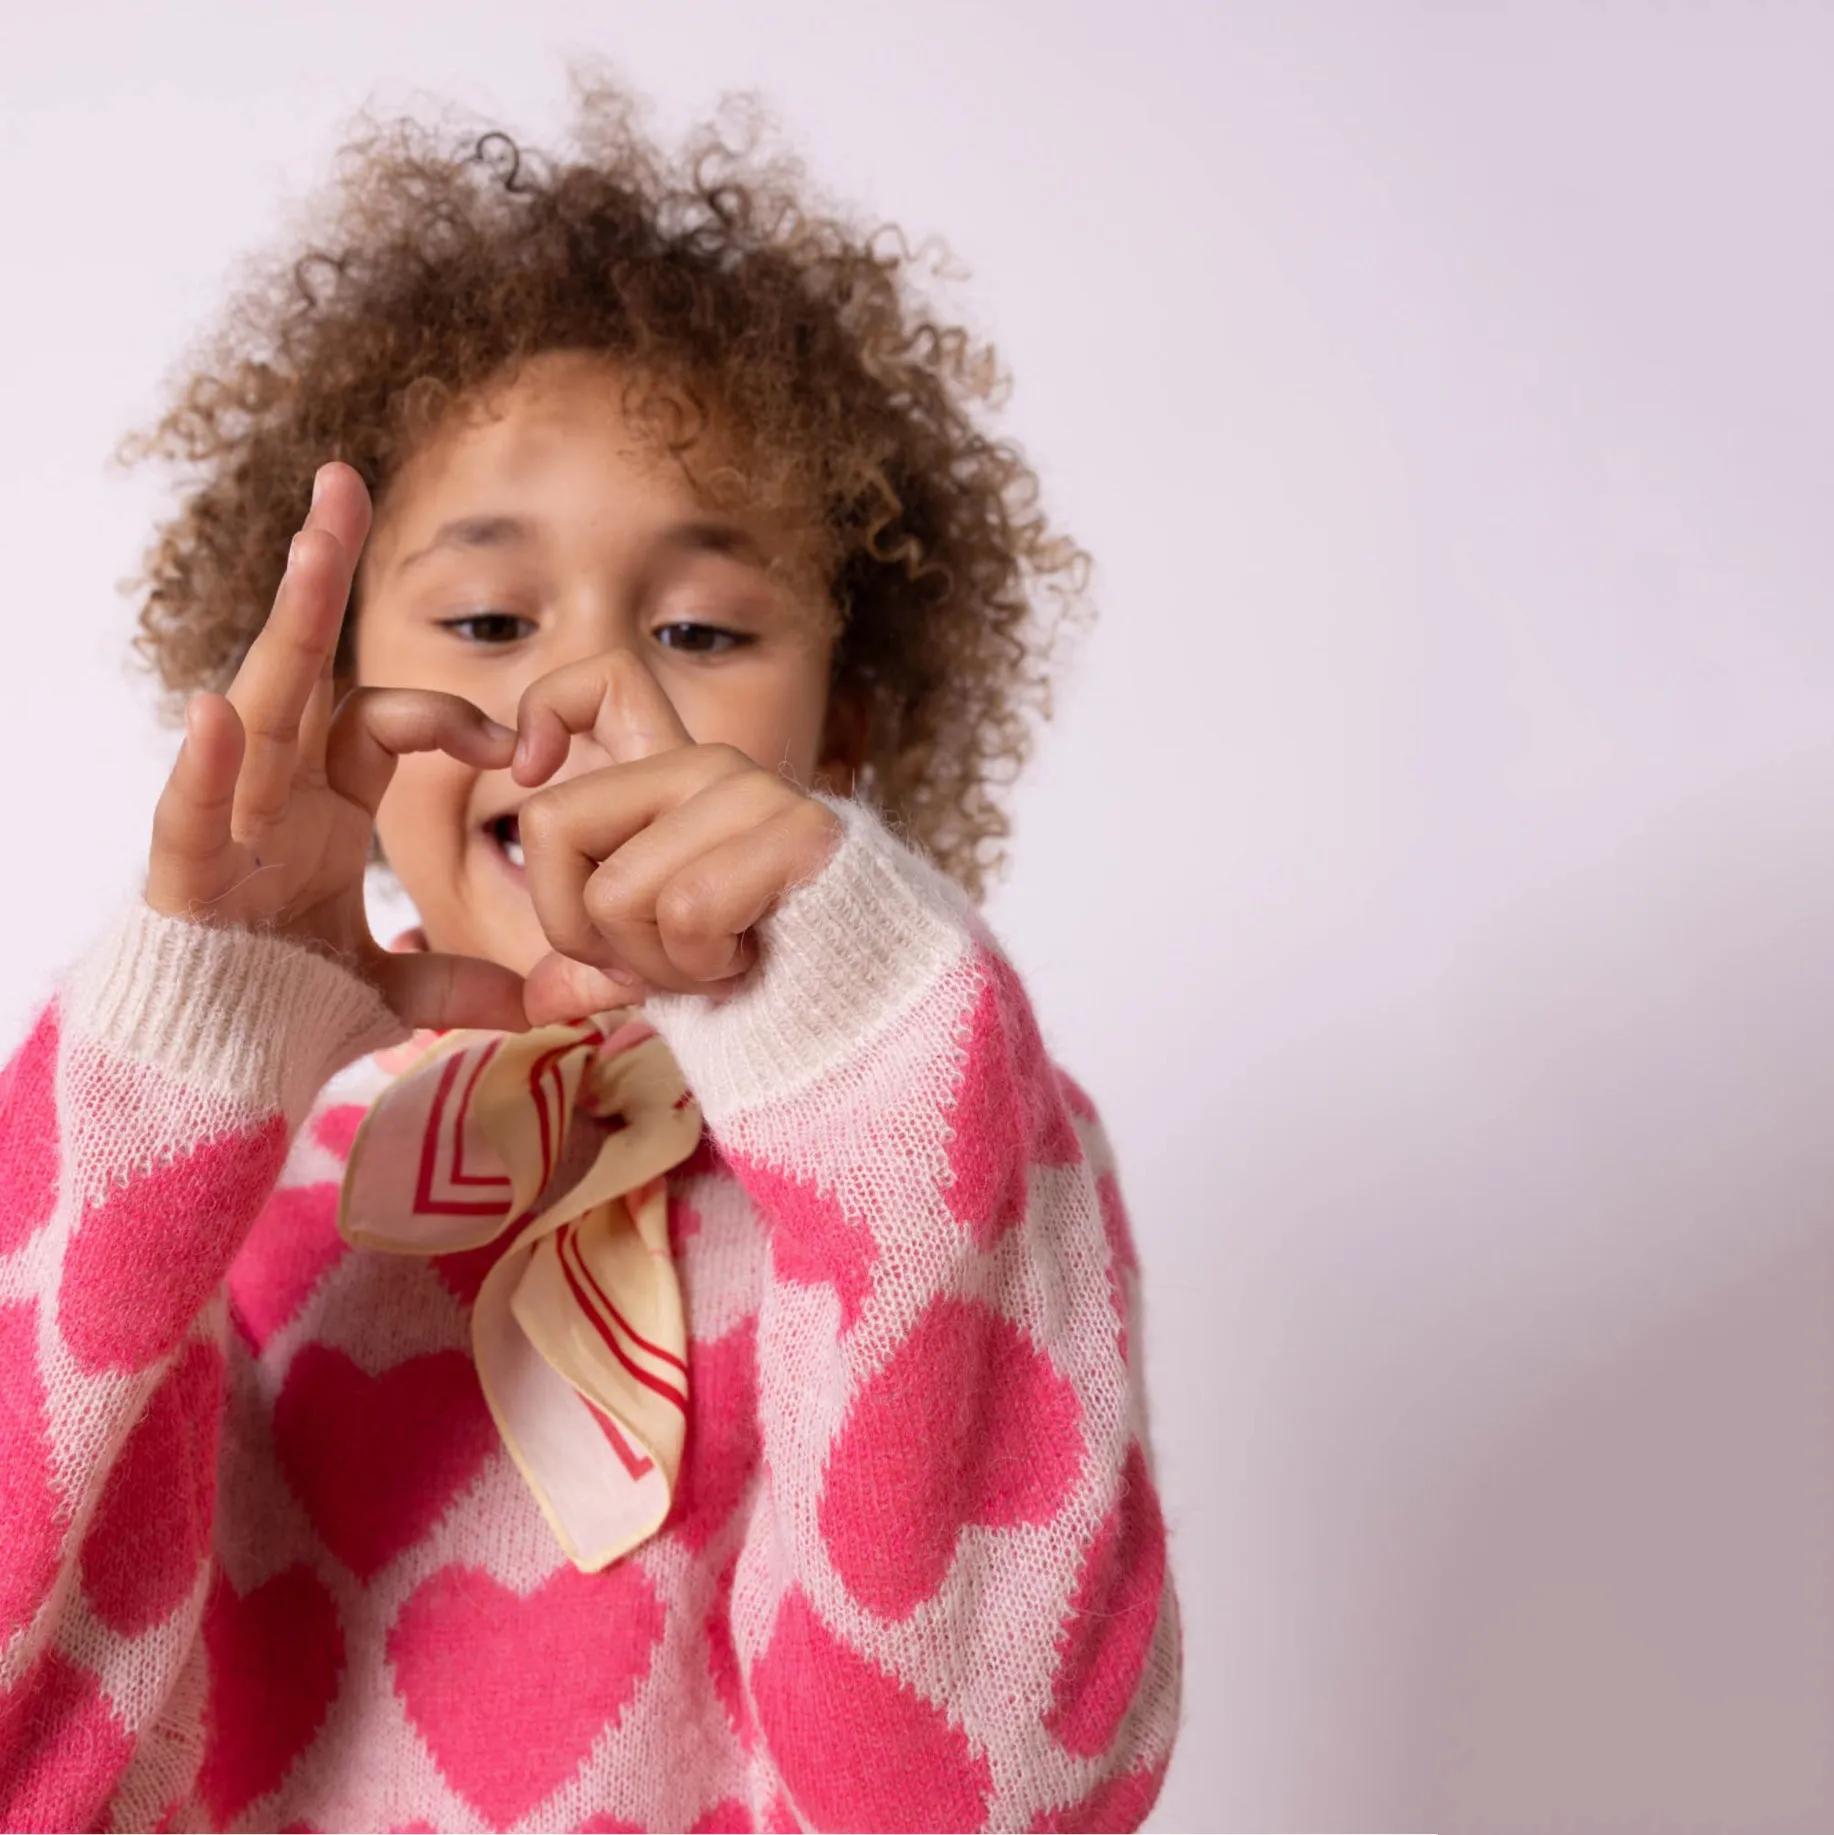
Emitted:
<point x="341" y="506"/>
<point x="275" y="682"/>
<point x="612" y="696"/>
<point x="374" y="727"/>
<point x="191" y="819"/>
<point x="298" y="645"/>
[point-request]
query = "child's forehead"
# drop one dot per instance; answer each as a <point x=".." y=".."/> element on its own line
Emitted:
<point x="538" y="436"/>
<point x="572" y="446"/>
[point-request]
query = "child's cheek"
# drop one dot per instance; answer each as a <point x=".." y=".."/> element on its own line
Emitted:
<point x="432" y="831"/>
<point x="423" y="823"/>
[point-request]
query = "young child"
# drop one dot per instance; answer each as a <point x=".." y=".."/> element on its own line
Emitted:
<point x="409" y="1416"/>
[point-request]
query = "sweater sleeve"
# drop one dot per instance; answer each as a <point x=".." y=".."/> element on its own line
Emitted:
<point x="143" y="1125"/>
<point x="952" y="1608"/>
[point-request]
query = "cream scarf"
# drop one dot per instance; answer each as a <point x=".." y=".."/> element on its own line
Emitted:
<point x="578" y="1331"/>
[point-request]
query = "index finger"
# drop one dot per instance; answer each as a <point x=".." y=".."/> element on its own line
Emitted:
<point x="612" y="696"/>
<point x="373" y="727"/>
<point x="295" y="648"/>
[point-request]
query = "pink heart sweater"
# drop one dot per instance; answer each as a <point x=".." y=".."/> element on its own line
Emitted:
<point x="264" y="1562"/>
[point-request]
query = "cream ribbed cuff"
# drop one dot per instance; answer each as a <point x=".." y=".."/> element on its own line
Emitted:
<point x="842" y="958"/>
<point x="257" y="1019"/>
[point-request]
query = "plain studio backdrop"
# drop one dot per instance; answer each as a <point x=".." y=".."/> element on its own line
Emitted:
<point x="1428" y="870"/>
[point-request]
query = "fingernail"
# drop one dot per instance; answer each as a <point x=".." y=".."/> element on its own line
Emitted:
<point x="318" y="484"/>
<point x="292" y="553"/>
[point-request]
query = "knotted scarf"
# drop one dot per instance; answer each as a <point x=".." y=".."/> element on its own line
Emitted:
<point x="577" y="1330"/>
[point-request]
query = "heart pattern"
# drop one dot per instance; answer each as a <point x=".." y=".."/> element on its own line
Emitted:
<point x="293" y="1246"/>
<point x="335" y="1128"/>
<point x="197" y="1208"/>
<point x="260" y="1714"/>
<point x="377" y="1459"/>
<point x="510" y="1692"/>
<point x="1017" y="1111"/>
<point x="31" y="1505"/>
<point x="63" y="1747"/>
<point x="463" y="1271"/>
<point x="892" y="1760"/>
<point x="813" y="1241"/>
<point x="28" y="1135"/>
<point x="1107" y="1634"/>
<point x="144" y="1547"/>
<point x="721" y="1453"/>
<point x="968" y="1422"/>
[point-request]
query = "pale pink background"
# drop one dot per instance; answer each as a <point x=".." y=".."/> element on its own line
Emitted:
<point x="1430" y="870"/>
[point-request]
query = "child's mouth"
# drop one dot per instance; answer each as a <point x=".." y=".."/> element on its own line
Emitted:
<point x="505" y="833"/>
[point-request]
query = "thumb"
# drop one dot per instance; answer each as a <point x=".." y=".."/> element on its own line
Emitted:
<point x="444" y="993"/>
<point x="560" y="989"/>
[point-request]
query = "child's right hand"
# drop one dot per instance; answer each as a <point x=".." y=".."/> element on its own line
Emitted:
<point x="265" y="822"/>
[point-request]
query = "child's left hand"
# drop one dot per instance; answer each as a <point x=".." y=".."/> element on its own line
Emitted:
<point x="650" y="873"/>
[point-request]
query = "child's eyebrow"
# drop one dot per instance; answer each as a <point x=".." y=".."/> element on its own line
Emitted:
<point x="704" y="535"/>
<point x="696" y="535"/>
<point x="471" y="532"/>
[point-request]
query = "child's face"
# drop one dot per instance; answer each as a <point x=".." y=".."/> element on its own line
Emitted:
<point x="543" y="534"/>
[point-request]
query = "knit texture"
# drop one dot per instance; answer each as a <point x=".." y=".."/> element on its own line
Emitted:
<point x="264" y="1562"/>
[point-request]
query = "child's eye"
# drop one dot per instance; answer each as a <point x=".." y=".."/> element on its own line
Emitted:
<point x="700" y="639"/>
<point x="489" y="627"/>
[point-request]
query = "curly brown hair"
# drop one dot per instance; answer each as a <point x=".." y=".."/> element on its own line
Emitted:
<point x="443" y="255"/>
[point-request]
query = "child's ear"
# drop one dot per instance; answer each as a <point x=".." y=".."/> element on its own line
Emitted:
<point x="845" y="737"/>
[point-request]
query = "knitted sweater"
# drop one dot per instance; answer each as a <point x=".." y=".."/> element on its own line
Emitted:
<point x="265" y="1563"/>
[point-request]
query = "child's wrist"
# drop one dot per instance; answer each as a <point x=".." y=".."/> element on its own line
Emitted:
<point x="262" y="1020"/>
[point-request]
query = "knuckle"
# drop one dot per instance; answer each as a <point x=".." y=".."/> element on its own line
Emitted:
<point x="688" y="906"/>
<point x="277" y="725"/>
<point x="314" y="544"/>
<point x="354" y="706"/>
<point x="719" y="760"/>
<point x="542" y="820"/>
<point x="614" y="895"/>
<point x="256" y="813"/>
<point x="815" y="820"/>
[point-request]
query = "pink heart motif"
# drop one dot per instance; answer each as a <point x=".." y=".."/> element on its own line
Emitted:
<point x="28" y="1135"/>
<point x="197" y="1208"/>
<point x="275" y="1655"/>
<point x="31" y="1506"/>
<point x="922" y="1431"/>
<point x="1017" y="1111"/>
<point x="509" y="1693"/>
<point x="64" y="1747"/>
<point x="376" y="1459"/>
<point x="293" y="1246"/>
